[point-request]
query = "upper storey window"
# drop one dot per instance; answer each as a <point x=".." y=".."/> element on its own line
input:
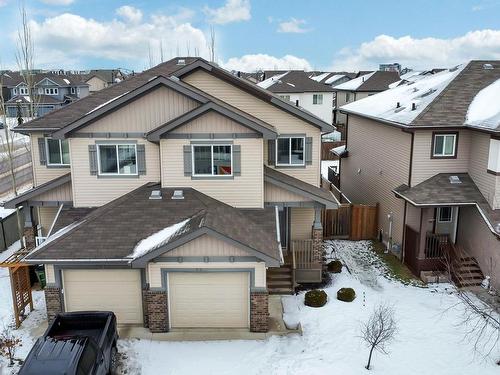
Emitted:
<point x="212" y="160"/>
<point x="23" y="90"/>
<point x="117" y="159"/>
<point x="444" y="145"/>
<point x="290" y="151"/>
<point x="57" y="152"/>
<point x="317" y="98"/>
<point x="51" y="91"/>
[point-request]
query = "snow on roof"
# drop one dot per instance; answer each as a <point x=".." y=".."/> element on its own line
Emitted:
<point x="4" y="212"/>
<point x="339" y="151"/>
<point x="334" y="78"/>
<point x="421" y="93"/>
<point x="271" y="81"/>
<point x="157" y="239"/>
<point x="320" y="77"/>
<point x="484" y="110"/>
<point x="66" y="80"/>
<point x="106" y="103"/>
<point x="353" y="84"/>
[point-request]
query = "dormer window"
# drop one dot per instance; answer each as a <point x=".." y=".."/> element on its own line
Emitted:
<point x="57" y="152"/>
<point x="444" y="145"/>
<point x="51" y="91"/>
<point x="73" y="90"/>
<point x="23" y="91"/>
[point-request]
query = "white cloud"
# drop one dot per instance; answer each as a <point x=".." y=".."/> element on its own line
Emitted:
<point x="68" y="38"/>
<point x="294" y="25"/>
<point x="421" y="53"/>
<point x="252" y="63"/>
<point x="232" y="11"/>
<point x="58" y="2"/>
<point x="130" y="14"/>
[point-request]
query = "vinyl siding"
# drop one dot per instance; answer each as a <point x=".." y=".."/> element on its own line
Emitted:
<point x="145" y="113"/>
<point x="61" y="193"/>
<point x="478" y="165"/>
<point x="413" y="215"/>
<point x="42" y="173"/>
<point x="90" y="191"/>
<point x="154" y="270"/>
<point x="424" y="167"/>
<point x="46" y="216"/>
<point x="212" y="122"/>
<point x="284" y="122"/>
<point x="301" y="223"/>
<point x="207" y="246"/>
<point x="274" y="193"/>
<point x="246" y="190"/>
<point x="382" y="153"/>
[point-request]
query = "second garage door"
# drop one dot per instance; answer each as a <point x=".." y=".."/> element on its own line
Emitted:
<point x="209" y="299"/>
<point x="110" y="290"/>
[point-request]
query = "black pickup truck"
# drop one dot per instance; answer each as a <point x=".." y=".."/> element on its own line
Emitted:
<point x="78" y="343"/>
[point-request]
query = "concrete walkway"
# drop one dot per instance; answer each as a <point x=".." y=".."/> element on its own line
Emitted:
<point x="276" y="328"/>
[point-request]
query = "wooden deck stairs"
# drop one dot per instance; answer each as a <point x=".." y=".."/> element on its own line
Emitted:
<point x="280" y="280"/>
<point x="467" y="273"/>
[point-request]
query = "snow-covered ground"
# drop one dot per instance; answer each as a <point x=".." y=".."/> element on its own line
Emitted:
<point x="328" y="163"/>
<point x="430" y="338"/>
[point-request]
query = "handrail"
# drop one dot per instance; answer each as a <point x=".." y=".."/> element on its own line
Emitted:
<point x="302" y="254"/>
<point x="435" y="244"/>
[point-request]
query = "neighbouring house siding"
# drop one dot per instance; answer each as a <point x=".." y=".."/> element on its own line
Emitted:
<point x="274" y="193"/>
<point x="42" y="173"/>
<point x="479" y="242"/>
<point x="246" y="190"/>
<point x="154" y="270"/>
<point x="301" y="223"/>
<point x="145" y="113"/>
<point x="425" y="167"/>
<point x="90" y="191"/>
<point x="382" y="154"/>
<point x="61" y="193"/>
<point x="478" y="165"/>
<point x="284" y="122"/>
<point x="46" y="216"/>
<point x="50" y="276"/>
<point x="206" y="246"/>
<point x="323" y="111"/>
<point x="413" y="215"/>
<point x="96" y="84"/>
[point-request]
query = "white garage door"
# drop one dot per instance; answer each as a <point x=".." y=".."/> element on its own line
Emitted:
<point x="209" y="299"/>
<point x="112" y="290"/>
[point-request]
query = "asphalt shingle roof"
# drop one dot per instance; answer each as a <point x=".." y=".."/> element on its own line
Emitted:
<point x="298" y="81"/>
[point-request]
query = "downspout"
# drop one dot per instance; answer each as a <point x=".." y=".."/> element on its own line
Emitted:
<point x="406" y="203"/>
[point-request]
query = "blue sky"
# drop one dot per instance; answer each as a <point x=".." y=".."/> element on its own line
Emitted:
<point x="252" y="34"/>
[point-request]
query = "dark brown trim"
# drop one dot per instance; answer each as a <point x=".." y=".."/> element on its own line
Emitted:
<point x="493" y="172"/>
<point x="496" y="137"/>
<point x="411" y="158"/>
<point x="404" y="233"/>
<point x="455" y="151"/>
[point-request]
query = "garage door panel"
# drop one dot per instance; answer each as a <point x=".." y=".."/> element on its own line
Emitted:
<point x="114" y="290"/>
<point x="209" y="299"/>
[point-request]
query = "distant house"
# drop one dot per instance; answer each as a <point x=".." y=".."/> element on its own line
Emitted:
<point x="98" y="79"/>
<point x="51" y="91"/>
<point x="394" y="67"/>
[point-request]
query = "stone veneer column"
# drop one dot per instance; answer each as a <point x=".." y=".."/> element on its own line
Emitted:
<point x="29" y="237"/>
<point x="259" y="310"/>
<point x="317" y="237"/>
<point x="156" y="310"/>
<point x="53" y="302"/>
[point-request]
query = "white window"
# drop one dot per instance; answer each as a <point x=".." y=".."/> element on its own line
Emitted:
<point x="347" y="97"/>
<point x="57" y="151"/>
<point x="494" y="156"/>
<point x="14" y="91"/>
<point x="73" y="90"/>
<point x="445" y="214"/>
<point x="290" y="151"/>
<point x="444" y="145"/>
<point x="51" y="91"/>
<point x="317" y="98"/>
<point x="117" y="159"/>
<point x="23" y="91"/>
<point x="285" y="97"/>
<point x="212" y="160"/>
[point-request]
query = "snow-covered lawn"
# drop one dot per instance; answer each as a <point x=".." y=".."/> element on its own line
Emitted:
<point x="430" y="339"/>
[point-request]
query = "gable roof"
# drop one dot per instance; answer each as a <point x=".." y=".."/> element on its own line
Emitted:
<point x="369" y="82"/>
<point x="106" y="241"/>
<point x="294" y="81"/>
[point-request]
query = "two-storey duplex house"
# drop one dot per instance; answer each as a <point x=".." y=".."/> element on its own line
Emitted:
<point x="427" y="152"/>
<point x="166" y="198"/>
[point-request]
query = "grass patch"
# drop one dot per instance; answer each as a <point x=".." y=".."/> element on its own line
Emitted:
<point x="395" y="268"/>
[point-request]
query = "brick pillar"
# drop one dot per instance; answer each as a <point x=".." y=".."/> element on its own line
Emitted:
<point x="317" y="237"/>
<point x="29" y="237"/>
<point x="157" y="313"/>
<point x="53" y="302"/>
<point x="259" y="311"/>
<point x="145" y="307"/>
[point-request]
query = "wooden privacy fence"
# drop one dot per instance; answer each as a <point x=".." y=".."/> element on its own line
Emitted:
<point x="350" y="221"/>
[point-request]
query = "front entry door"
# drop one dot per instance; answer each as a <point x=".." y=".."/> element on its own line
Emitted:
<point x="446" y="221"/>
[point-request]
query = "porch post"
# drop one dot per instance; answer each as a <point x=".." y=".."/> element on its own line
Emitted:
<point x="29" y="230"/>
<point x="317" y="237"/>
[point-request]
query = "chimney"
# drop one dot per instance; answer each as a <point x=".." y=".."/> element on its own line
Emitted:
<point x="297" y="103"/>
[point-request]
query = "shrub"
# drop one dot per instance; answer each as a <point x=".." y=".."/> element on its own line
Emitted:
<point x="346" y="294"/>
<point x="335" y="266"/>
<point x="315" y="298"/>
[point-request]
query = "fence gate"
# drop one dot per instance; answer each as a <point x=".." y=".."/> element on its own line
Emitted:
<point x="363" y="222"/>
<point x="337" y="222"/>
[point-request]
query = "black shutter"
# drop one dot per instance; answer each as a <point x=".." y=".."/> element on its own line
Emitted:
<point x="93" y="159"/>
<point x="42" y="151"/>
<point x="141" y="159"/>
<point x="271" y="152"/>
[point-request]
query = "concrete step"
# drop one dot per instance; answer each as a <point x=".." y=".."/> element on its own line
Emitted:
<point x="280" y="276"/>
<point x="281" y="291"/>
<point x="275" y="283"/>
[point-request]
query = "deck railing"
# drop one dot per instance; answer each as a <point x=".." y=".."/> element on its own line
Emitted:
<point x="302" y="254"/>
<point x="436" y="244"/>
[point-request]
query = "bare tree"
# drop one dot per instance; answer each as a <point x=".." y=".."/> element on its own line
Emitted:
<point x="9" y="344"/>
<point x="211" y="44"/>
<point x="379" y="331"/>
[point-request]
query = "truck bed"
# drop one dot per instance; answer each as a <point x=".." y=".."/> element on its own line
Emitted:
<point x="79" y="325"/>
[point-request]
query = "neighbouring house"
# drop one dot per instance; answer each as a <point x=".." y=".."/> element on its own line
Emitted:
<point x="171" y="197"/>
<point x="50" y="91"/>
<point x="428" y="152"/>
<point x="366" y="84"/>
<point x="98" y="79"/>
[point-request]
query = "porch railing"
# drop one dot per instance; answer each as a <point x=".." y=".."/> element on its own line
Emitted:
<point x="302" y="254"/>
<point x="436" y="244"/>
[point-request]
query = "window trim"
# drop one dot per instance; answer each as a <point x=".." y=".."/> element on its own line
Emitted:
<point x="439" y="215"/>
<point x="277" y="164"/>
<point x="194" y="174"/>
<point x="23" y="90"/>
<point x="73" y="90"/>
<point x="318" y="96"/>
<point x="61" y="164"/>
<point x="455" y="145"/>
<point x="99" y="173"/>
<point x="55" y="91"/>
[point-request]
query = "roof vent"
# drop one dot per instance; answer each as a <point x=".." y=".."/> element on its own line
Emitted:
<point x="487" y="67"/>
<point x="155" y="194"/>
<point x="398" y="104"/>
<point x="455" y="180"/>
<point x="296" y="103"/>
<point x="181" y="62"/>
<point x="178" y="194"/>
<point x="413" y="106"/>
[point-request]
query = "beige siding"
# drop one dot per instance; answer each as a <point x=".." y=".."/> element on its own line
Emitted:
<point x="283" y="122"/>
<point x="424" y="167"/>
<point x="212" y="122"/>
<point x="89" y="191"/>
<point x="477" y="239"/>
<point x="145" y="113"/>
<point x="478" y="165"/>
<point x="42" y="173"/>
<point x="246" y="190"/>
<point x="46" y="216"/>
<point x="154" y="270"/>
<point x="207" y="246"/>
<point x="382" y="154"/>
<point x="301" y="223"/>
<point x="276" y="194"/>
<point x="96" y="84"/>
<point x="61" y="193"/>
<point x="50" y="276"/>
